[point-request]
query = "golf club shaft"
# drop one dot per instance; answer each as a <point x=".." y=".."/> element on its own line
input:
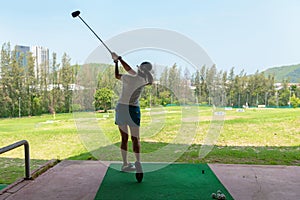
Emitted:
<point x="95" y="34"/>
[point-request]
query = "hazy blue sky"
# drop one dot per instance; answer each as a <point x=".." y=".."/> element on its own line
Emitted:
<point x="249" y="34"/>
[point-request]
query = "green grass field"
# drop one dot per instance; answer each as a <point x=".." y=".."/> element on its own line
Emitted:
<point x="256" y="136"/>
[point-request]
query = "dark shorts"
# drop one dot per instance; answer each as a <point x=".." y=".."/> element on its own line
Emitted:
<point x="127" y="115"/>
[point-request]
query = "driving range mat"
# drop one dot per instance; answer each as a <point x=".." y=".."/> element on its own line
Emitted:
<point x="2" y="186"/>
<point x="174" y="181"/>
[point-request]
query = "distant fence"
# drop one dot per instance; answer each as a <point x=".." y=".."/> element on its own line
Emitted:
<point x="207" y="105"/>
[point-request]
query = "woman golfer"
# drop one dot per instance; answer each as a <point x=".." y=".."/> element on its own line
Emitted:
<point x="128" y="110"/>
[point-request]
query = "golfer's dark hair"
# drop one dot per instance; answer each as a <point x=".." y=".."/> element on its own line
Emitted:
<point x="146" y="68"/>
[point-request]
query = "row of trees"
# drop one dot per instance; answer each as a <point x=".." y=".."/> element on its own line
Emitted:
<point x="242" y="89"/>
<point x="205" y="86"/>
<point x="23" y="92"/>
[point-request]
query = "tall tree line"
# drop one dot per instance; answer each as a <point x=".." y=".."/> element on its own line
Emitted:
<point x="206" y="86"/>
<point x="241" y="89"/>
<point x="23" y="92"/>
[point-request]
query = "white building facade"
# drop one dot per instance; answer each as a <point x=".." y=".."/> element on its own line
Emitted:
<point x="41" y="64"/>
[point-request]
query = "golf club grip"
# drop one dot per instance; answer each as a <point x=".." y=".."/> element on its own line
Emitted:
<point x="95" y="35"/>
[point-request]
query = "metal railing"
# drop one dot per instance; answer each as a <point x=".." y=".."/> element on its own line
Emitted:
<point x="26" y="150"/>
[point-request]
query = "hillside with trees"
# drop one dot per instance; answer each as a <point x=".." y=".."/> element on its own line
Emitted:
<point x="289" y="72"/>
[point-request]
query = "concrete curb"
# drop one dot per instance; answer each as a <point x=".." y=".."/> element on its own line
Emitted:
<point x="20" y="183"/>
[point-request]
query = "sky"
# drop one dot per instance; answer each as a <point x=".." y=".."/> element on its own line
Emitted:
<point x="248" y="35"/>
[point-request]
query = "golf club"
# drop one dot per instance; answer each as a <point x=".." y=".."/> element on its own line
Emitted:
<point x="77" y="14"/>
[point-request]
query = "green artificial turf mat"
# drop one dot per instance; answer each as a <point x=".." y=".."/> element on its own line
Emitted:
<point x="2" y="186"/>
<point x="175" y="181"/>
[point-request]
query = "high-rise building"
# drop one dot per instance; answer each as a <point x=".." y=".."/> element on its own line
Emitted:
<point x="41" y="56"/>
<point x="21" y="53"/>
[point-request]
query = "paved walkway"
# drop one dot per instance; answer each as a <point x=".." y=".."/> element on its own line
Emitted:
<point x="72" y="180"/>
<point x="260" y="182"/>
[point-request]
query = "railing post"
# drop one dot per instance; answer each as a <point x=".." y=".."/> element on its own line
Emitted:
<point x="27" y="160"/>
<point x="26" y="151"/>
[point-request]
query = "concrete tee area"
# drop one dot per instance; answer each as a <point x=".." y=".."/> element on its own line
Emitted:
<point x="72" y="180"/>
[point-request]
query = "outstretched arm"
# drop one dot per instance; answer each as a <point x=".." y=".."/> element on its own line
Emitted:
<point x="127" y="67"/>
<point x="117" y="58"/>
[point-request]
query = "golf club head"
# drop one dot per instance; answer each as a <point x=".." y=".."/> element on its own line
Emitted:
<point x="75" y="13"/>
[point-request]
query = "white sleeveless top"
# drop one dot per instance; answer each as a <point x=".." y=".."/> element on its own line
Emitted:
<point x="132" y="87"/>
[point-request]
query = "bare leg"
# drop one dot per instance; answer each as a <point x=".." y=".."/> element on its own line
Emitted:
<point x="136" y="145"/>
<point x="124" y="143"/>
